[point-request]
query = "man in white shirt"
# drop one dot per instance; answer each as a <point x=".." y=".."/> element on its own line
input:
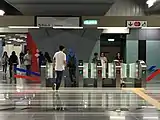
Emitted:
<point x="59" y="65"/>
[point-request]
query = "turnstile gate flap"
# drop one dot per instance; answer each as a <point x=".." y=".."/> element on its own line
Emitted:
<point x="133" y="70"/>
<point x="49" y="70"/>
<point x="123" y="70"/>
<point x="111" y="71"/>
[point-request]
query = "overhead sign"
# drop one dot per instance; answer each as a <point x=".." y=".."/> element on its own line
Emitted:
<point x="58" y="21"/>
<point x="136" y="24"/>
<point x="90" y="22"/>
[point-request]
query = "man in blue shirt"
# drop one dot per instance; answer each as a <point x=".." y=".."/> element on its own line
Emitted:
<point x="72" y="64"/>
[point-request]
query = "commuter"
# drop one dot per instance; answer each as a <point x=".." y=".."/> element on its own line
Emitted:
<point x="47" y="57"/>
<point x="21" y="57"/>
<point x="13" y="62"/>
<point x="5" y="61"/>
<point x="118" y="57"/>
<point x="42" y="60"/>
<point x="103" y="59"/>
<point x="120" y="60"/>
<point x="95" y="58"/>
<point x="59" y="66"/>
<point x="28" y="62"/>
<point x="72" y="64"/>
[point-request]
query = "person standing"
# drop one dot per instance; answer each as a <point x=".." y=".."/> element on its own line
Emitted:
<point x="21" y="57"/>
<point x="95" y="58"/>
<point x="72" y="64"/>
<point x="28" y="62"/>
<point x="13" y="62"/>
<point x="118" y="57"/>
<point x="59" y="59"/>
<point x="5" y="61"/>
<point x="103" y="59"/>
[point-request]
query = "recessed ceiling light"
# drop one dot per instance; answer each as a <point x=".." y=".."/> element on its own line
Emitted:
<point x="110" y="40"/>
<point x="2" y="35"/>
<point x="2" y="12"/>
<point x="9" y="42"/>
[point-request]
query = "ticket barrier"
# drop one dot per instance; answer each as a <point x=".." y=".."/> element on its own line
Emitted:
<point x="117" y="72"/>
<point x="82" y="73"/>
<point x="47" y="76"/>
<point x="97" y="74"/>
<point x="91" y="77"/>
<point x="137" y="71"/>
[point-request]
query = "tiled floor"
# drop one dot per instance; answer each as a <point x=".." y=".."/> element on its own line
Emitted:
<point x="32" y="102"/>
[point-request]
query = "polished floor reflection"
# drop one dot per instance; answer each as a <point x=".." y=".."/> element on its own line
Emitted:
<point x="33" y="102"/>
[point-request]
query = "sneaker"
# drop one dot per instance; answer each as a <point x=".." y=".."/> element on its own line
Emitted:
<point x="54" y="86"/>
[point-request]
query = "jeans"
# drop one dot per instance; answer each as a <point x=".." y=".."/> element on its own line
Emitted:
<point x="59" y="75"/>
<point x="72" y="75"/>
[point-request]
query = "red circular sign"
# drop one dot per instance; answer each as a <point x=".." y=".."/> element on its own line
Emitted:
<point x="137" y="23"/>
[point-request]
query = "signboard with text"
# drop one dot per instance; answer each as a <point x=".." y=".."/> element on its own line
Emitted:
<point x="136" y="24"/>
<point x="58" y="21"/>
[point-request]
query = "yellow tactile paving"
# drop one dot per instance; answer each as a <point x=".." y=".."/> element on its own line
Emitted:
<point x="140" y="92"/>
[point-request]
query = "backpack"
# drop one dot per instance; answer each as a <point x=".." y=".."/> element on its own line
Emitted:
<point x="71" y="61"/>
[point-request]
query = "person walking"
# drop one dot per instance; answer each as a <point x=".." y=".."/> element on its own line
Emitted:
<point x="28" y="62"/>
<point x="47" y="57"/>
<point x="59" y="59"/>
<point x="13" y="62"/>
<point x="72" y="64"/>
<point x="5" y="61"/>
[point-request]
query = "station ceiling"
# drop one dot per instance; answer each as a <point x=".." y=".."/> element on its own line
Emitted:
<point x="67" y="7"/>
<point x="8" y="8"/>
<point x="62" y="7"/>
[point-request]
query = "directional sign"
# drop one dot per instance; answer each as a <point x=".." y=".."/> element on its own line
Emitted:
<point x="136" y="24"/>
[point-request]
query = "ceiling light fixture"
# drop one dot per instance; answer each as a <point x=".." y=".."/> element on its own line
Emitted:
<point x="2" y="12"/>
<point x="111" y="40"/>
<point x="150" y="3"/>
<point x="2" y="35"/>
<point x="22" y="27"/>
<point x="65" y="27"/>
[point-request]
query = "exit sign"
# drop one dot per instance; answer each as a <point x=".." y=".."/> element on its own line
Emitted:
<point x="136" y="24"/>
<point x="90" y="22"/>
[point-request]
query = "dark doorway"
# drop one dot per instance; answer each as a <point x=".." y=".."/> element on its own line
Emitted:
<point x="112" y="44"/>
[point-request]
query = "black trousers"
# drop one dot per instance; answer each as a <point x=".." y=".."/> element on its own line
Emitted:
<point x="59" y="75"/>
<point x="28" y="68"/>
<point x="72" y="74"/>
<point x="11" y="67"/>
<point x="5" y="67"/>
